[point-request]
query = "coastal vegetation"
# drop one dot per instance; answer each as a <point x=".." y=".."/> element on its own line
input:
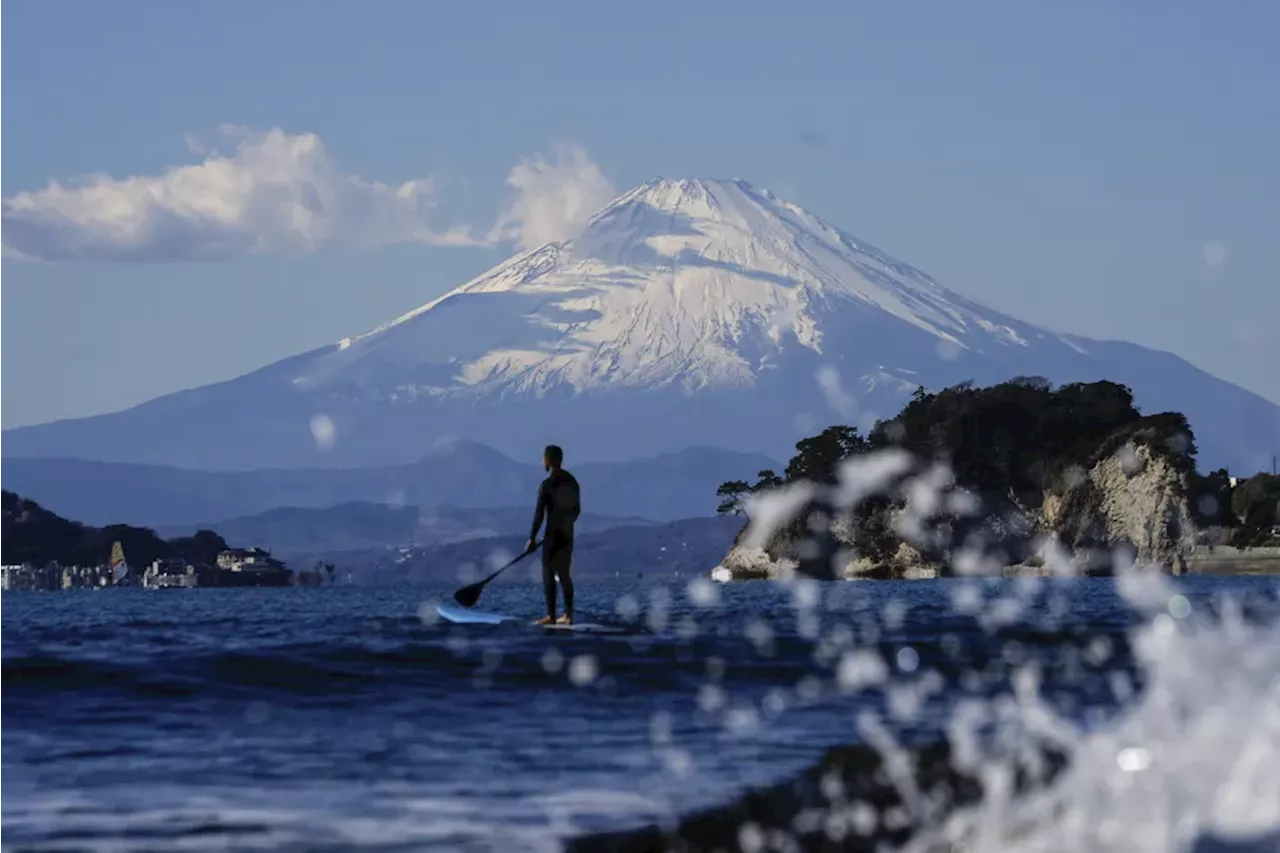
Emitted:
<point x="35" y="535"/>
<point x="1024" y="447"/>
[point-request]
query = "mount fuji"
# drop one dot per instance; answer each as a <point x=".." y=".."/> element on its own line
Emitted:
<point x="687" y="312"/>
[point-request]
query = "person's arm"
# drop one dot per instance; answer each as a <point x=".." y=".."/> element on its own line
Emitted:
<point x="539" y="513"/>
<point x="577" y="500"/>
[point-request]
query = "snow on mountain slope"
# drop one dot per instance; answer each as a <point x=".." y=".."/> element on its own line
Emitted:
<point x="687" y="312"/>
<point x="694" y="283"/>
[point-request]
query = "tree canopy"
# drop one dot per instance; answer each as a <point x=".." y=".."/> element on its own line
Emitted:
<point x="1022" y="438"/>
<point x="33" y="534"/>
<point x="1016" y="437"/>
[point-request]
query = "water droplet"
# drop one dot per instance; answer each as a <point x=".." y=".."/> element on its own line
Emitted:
<point x="947" y="350"/>
<point x="751" y="838"/>
<point x="1133" y="759"/>
<point x="805" y="594"/>
<point x="1214" y="253"/>
<point x="703" y="592"/>
<point x="660" y="727"/>
<point x="324" y="431"/>
<point x="627" y="606"/>
<point x="710" y="698"/>
<point x="428" y="614"/>
<point x="678" y="762"/>
<point x="583" y="670"/>
<point x="715" y="668"/>
<point x="860" y="669"/>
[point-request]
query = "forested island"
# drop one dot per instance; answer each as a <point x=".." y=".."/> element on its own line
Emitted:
<point x="1078" y="462"/>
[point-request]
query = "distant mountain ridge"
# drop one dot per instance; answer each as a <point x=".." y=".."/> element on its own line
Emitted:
<point x="637" y="554"/>
<point x="287" y="531"/>
<point x="463" y="475"/>
<point x="688" y="312"/>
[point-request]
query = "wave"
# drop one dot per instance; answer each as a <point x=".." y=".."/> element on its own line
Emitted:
<point x="1186" y="763"/>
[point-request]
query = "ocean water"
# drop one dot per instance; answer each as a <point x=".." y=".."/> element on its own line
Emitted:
<point x="350" y="718"/>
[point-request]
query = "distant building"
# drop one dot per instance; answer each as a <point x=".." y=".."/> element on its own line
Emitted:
<point x="10" y="576"/>
<point x="247" y="559"/>
<point x="46" y="578"/>
<point x="86" y="577"/>
<point x="169" y="572"/>
<point x="235" y="567"/>
<point x="251" y="567"/>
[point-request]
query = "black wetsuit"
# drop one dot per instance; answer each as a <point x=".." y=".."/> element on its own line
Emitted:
<point x="558" y="502"/>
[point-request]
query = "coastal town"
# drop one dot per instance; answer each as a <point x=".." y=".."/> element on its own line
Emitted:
<point x="234" y="567"/>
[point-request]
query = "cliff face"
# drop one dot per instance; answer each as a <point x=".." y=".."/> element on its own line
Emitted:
<point x="1132" y="499"/>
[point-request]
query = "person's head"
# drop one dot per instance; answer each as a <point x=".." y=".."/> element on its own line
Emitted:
<point x="552" y="457"/>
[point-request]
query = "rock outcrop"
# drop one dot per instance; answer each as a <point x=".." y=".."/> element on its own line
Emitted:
<point x="1134" y="499"/>
<point x="1131" y="503"/>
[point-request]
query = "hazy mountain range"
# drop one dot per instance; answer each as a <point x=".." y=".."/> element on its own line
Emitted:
<point x="287" y="531"/>
<point x="690" y="547"/>
<point x="460" y="475"/>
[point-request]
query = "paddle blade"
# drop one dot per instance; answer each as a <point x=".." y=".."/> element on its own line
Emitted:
<point x="469" y="595"/>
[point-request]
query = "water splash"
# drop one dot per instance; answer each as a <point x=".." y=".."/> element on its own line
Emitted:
<point x="1193" y="761"/>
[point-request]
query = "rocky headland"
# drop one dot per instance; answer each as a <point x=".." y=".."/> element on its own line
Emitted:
<point x="1019" y="478"/>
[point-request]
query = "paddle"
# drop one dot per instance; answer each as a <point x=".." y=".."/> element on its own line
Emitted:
<point x="469" y="595"/>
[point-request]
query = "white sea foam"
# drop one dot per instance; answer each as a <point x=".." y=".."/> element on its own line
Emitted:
<point x="1194" y="759"/>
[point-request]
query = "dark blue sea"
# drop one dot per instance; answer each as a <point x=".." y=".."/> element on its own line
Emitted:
<point x="348" y="718"/>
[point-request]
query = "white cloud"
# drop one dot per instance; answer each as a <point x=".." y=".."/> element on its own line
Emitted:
<point x="552" y="200"/>
<point x="277" y="192"/>
<point x="281" y="192"/>
<point x="11" y="254"/>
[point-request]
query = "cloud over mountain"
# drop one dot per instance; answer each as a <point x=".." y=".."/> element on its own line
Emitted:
<point x="553" y="200"/>
<point x="278" y="192"/>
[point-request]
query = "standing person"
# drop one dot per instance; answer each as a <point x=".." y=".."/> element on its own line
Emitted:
<point x="558" y="502"/>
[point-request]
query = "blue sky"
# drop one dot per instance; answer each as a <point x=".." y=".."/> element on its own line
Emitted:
<point x="1101" y="168"/>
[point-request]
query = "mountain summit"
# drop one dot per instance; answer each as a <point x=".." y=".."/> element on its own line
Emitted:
<point x="688" y="283"/>
<point x="686" y="312"/>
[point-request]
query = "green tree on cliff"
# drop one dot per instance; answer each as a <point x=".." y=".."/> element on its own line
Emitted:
<point x="818" y="457"/>
<point x="734" y="493"/>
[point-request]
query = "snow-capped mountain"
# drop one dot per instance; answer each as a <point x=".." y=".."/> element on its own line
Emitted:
<point x="689" y="283"/>
<point x="688" y="312"/>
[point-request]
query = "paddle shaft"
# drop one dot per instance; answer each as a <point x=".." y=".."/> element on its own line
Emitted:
<point x="509" y="565"/>
<point x="471" y="592"/>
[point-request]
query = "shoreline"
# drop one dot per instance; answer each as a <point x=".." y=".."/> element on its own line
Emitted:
<point x="1227" y="560"/>
<point x="1221" y="560"/>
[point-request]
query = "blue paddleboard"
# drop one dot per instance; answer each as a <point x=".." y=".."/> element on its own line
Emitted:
<point x="462" y="616"/>
<point x="585" y="628"/>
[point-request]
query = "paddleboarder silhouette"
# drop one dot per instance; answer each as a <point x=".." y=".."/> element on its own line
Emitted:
<point x="560" y="505"/>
